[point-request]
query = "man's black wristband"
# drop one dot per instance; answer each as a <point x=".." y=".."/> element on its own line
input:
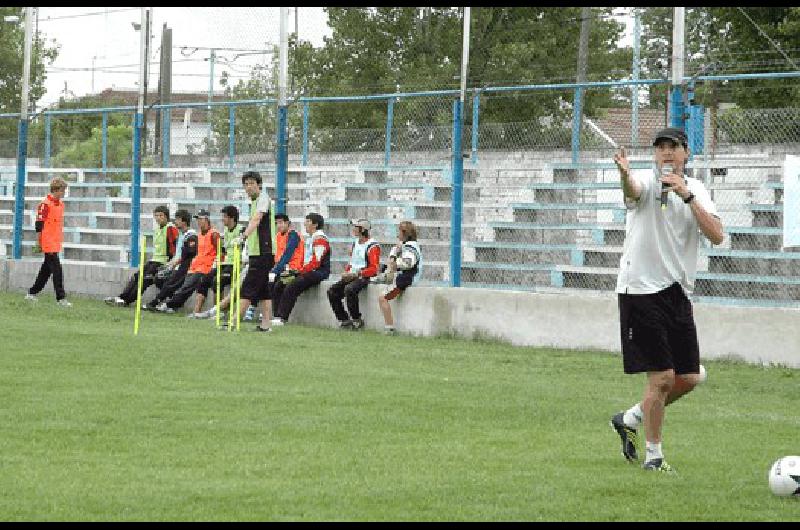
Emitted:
<point x="689" y="199"/>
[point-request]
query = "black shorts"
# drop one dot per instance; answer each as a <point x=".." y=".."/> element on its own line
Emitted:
<point x="658" y="332"/>
<point x="402" y="281"/>
<point x="256" y="282"/>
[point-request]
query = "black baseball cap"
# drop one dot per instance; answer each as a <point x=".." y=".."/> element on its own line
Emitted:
<point x="674" y="134"/>
<point x="202" y="213"/>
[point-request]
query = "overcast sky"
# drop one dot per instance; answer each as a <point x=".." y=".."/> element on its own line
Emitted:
<point x="99" y="47"/>
<point x="108" y="42"/>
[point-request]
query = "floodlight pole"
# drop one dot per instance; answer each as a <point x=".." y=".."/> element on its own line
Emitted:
<point x="676" y="110"/>
<point x="458" y="162"/>
<point x="282" y="154"/>
<point x="136" y="195"/>
<point x="22" y="143"/>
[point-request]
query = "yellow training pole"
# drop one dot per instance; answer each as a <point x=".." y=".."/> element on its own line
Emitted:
<point x="139" y="290"/>
<point x="272" y="226"/>
<point x="219" y="275"/>
<point x="232" y="291"/>
<point x="238" y="287"/>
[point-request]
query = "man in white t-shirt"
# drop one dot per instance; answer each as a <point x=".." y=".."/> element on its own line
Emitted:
<point x="667" y="212"/>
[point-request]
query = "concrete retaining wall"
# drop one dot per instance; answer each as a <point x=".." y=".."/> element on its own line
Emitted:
<point x="575" y="321"/>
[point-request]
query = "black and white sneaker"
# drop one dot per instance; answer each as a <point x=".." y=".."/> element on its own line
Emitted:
<point x="345" y="324"/>
<point x="357" y="323"/>
<point x="658" y="464"/>
<point x="627" y="435"/>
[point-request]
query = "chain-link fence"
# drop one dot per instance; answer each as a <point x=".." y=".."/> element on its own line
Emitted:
<point x="371" y="95"/>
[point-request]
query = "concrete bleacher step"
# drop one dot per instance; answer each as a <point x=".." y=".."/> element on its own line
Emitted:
<point x="763" y="263"/>
<point x="748" y="286"/>
<point x="566" y="213"/>
<point x="755" y="238"/>
<point x="767" y="214"/>
<point x="522" y="253"/>
<point x="506" y="274"/>
<point x="608" y="233"/>
<point x="120" y="221"/>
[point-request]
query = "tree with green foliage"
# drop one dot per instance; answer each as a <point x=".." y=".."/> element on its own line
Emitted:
<point x="12" y="43"/>
<point x="388" y="50"/>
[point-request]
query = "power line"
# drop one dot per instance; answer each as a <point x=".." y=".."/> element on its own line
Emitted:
<point x="50" y="19"/>
<point x="777" y="47"/>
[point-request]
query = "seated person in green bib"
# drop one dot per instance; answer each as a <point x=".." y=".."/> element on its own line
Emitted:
<point x="258" y="237"/>
<point x="177" y="267"/>
<point x="230" y="220"/>
<point x="165" y="237"/>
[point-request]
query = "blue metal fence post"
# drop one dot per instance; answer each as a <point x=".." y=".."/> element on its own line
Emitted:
<point x="165" y="136"/>
<point x="476" y="103"/>
<point x="136" y="192"/>
<point x="455" y="211"/>
<point x="387" y="152"/>
<point x="676" y="108"/>
<point x="19" y="196"/>
<point x="105" y="142"/>
<point x="577" y="112"/>
<point x="47" y="146"/>
<point x="231" y="137"/>
<point x="305" y="133"/>
<point x="282" y="159"/>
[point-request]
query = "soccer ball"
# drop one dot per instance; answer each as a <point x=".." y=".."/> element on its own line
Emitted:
<point x="406" y="261"/>
<point x="784" y="477"/>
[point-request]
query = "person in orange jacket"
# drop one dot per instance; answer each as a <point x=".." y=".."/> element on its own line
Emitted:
<point x="50" y="230"/>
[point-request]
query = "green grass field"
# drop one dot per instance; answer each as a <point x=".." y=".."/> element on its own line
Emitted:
<point x="185" y="422"/>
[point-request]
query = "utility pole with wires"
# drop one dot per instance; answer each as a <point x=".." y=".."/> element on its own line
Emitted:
<point x="676" y="108"/>
<point x="136" y="185"/>
<point x="583" y="61"/>
<point x="22" y="143"/>
<point x="458" y="160"/>
<point x="282" y="154"/>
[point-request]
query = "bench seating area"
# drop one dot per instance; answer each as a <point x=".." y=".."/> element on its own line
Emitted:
<point x="545" y="228"/>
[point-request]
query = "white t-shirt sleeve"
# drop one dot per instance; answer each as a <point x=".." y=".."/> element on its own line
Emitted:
<point x="703" y="198"/>
<point x="263" y="203"/>
<point x="640" y="177"/>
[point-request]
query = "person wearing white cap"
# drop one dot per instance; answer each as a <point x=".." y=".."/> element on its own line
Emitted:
<point x="365" y="258"/>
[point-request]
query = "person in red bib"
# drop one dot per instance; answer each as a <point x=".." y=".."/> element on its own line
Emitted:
<point x="290" y="250"/>
<point x="50" y="230"/>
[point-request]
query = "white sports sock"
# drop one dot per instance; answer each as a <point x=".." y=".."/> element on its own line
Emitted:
<point x="653" y="451"/>
<point x="633" y="416"/>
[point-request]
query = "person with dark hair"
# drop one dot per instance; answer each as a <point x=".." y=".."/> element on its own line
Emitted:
<point x="165" y="237"/>
<point x="171" y="276"/>
<point x="201" y="264"/>
<point x="317" y="267"/>
<point x="258" y="237"/>
<point x="667" y="213"/>
<point x="365" y="258"/>
<point x="289" y="253"/>
<point x="405" y="265"/>
<point x="50" y="234"/>
<point x="230" y="220"/>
